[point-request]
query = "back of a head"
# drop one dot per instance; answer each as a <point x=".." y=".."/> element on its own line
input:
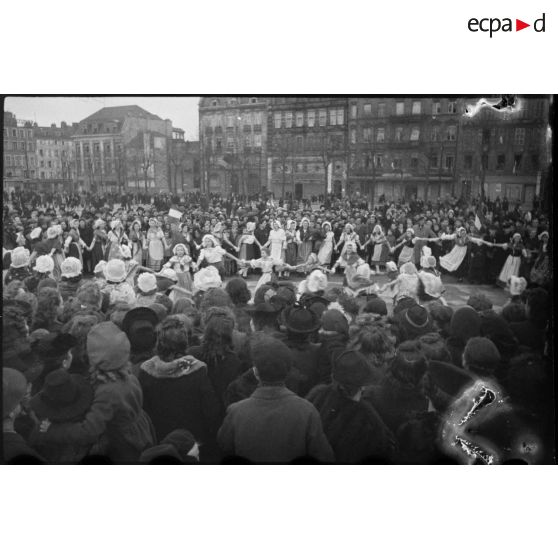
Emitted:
<point x="172" y="338"/>
<point x="409" y="363"/>
<point x="271" y="358"/>
<point x="481" y="356"/>
<point x="238" y="290"/>
<point x="434" y="347"/>
<point x="465" y="323"/>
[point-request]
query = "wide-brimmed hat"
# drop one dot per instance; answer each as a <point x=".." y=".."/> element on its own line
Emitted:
<point x="19" y="257"/>
<point x="64" y="397"/>
<point x="70" y="267"/>
<point x="300" y="320"/>
<point x="115" y="271"/>
<point x="140" y="315"/>
<point x="44" y="264"/>
<point x="98" y="223"/>
<point x="353" y="369"/>
<point x="108" y="347"/>
<point x="147" y="283"/>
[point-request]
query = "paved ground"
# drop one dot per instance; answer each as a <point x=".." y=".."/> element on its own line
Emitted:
<point x="456" y="293"/>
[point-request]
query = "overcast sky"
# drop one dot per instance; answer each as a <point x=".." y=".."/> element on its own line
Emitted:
<point x="183" y="111"/>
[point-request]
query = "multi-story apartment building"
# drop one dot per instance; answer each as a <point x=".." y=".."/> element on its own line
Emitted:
<point x="184" y="163"/>
<point x="20" y="163"/>
<point x="307" y="146"/>
<point x="55" y="156"/>
<point x="507" y="150"/>
<point x="122" y="146"/>
<point x="233" y="144"/>
<point x="403" y="147"/>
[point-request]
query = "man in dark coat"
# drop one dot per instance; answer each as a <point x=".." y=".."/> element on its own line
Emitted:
<point x="273" y="425"/>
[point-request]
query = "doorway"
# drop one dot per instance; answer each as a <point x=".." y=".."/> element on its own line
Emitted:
<point x="299" y="190"/>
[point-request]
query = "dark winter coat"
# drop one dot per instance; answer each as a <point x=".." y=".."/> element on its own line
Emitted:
<point x="396" y="400"/>
<point x="115" y="422"/>
<point x="305" y="361"/>
<point x="180" y="396"/>
<point x="274" y="426"/>
<point x="354" y="429"/>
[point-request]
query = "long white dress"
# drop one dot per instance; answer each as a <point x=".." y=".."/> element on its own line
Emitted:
<point x="326" y="249"/>
<point x="277" y="240"/>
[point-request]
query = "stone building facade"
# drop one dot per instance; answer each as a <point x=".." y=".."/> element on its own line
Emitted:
<point x="20" y="162"/>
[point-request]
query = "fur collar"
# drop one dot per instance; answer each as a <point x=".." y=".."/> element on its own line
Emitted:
<point x="175" y="369"/>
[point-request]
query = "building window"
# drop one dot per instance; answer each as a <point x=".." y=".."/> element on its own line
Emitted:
<point x="277" y="119"/>
<point x="353" y="136"/>
<point x="414" y="162"/>
<point x="332" y="117"/>
<point x="379" y="161"/>
<point x="451" y="133"/>
<point x="367" y="134"/>
<point x="230" y="121"/>
<point x="452" y="107"/>
<point x="468" y="162"/>
<point x="257" y="118"/>
<point x="519" y="136"/>
<point x="500" y="161"/>
<point x="299" y="143"/>
<point x="248" y="140"/>
<point x="8" y="160"/>
<point x="340" y="116"/>
<point x="449" y="162"/>
<point x="289" y="119"/>
<point x="436" y="107"/>
<point x="399" y="109"/>
<point x="367" y="108"/>
<point x="14" y="133"/>
<point x="381" y="110"/>
<point x="380" y="134"/>
<point x="398" y="134"/>
<point x="254" y="100"/>
<point x="14" y="145"/>
<point x="311" y="118"/>
<point x="415" y="134"/>
<point x="257" y="140"/>
<point x="41" y="152"/>
<point x="396" y="163"/>
<point x="299" y="119"/>
<point x="484" y="161"/>
<point x="322" y="117"/>
<point x="230" y="142"/>
<point x="299" y="167"/>
<point x="214" y="103"/>
<point x="353" y="111"/>
<point x="433" y="160"/>
<point x="416" y="107"/>
<point x="517" y="162"/>
<point x="535" y="160"/>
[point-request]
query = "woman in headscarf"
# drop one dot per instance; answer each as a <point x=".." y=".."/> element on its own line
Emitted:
<point x="326" y="249"/>
<point x="74" y="245"/>
<point x="516" y="251"/>
<point x="212" y="254"/>
<point x="381" y="247"/>
<point x="276" y="242"/>
<point x="348" y="235"/>
<point x="155" y="245"/>
<point x="137" y="242"/>
<point x="456" y="260"/>
<point x="357" y="271"/>
<point x="407" y="242"/>
<point x="115" y="237"/>
<point x="97" y="246"/>
<point x="181" y="263"/>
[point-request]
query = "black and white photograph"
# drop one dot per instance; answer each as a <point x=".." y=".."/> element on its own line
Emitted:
<point x="350" y="280"/>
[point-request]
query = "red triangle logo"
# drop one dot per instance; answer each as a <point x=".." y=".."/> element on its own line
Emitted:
<point x="519" y="25"/>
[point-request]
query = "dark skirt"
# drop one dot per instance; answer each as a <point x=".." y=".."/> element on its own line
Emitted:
<point x="291" y="253"/>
